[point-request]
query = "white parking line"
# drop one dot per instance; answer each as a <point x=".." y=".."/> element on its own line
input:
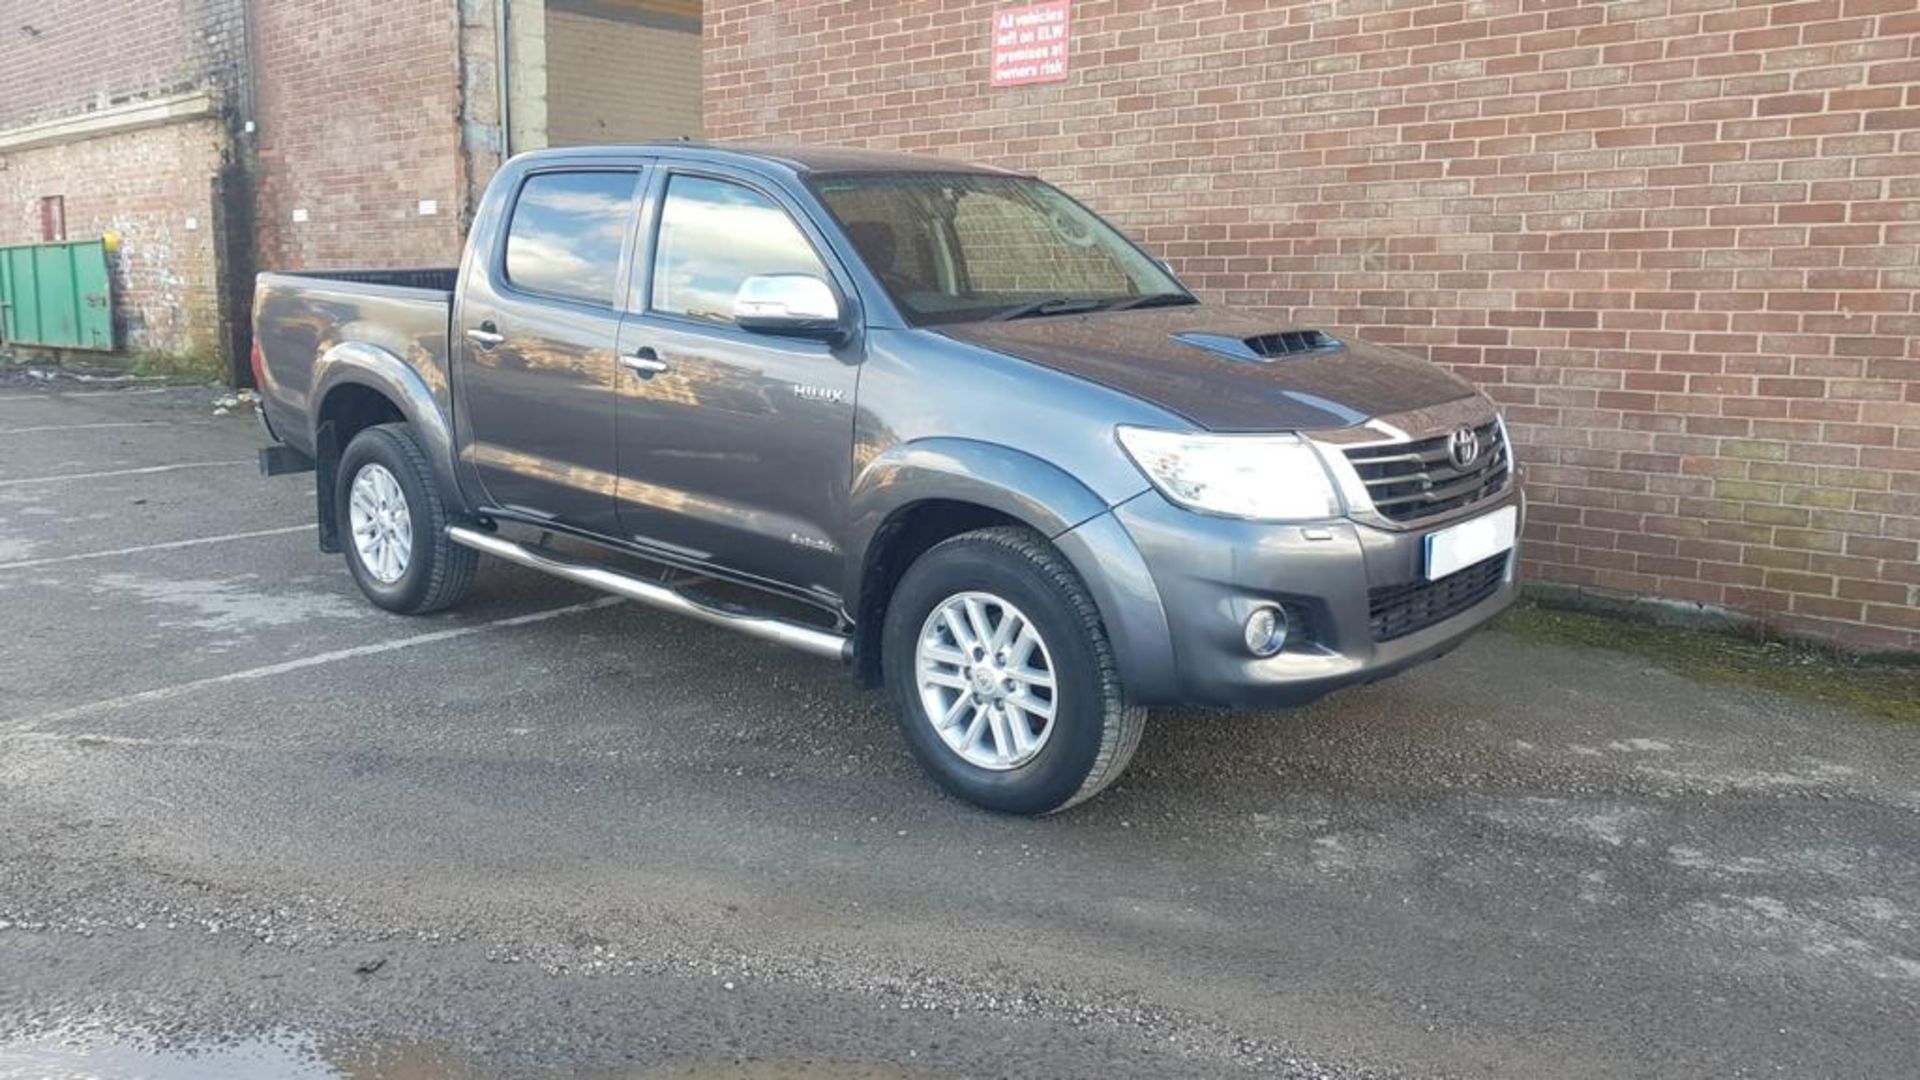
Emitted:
<point x="96" y="427"/>
<point x="57" y="395"/>
<point x="166" y="693"/>
<point x="169" y="545"/>
<point x="123" y="472"/>
<point x="89" y="738"/>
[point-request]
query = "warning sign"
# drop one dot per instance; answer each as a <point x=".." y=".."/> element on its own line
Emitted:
<point x="1030" y="44"/>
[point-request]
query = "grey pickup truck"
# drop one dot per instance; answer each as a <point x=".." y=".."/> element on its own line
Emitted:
<point x="936" y="421"/>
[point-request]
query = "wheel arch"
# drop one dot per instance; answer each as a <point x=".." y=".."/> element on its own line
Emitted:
<point x="915" y="495"/>
<point x="358" y="385"/>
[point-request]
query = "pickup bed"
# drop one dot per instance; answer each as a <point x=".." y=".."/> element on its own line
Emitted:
<point x="936" y="421"/>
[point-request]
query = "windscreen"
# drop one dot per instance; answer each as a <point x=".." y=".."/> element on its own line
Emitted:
<point x="956" y="247"/>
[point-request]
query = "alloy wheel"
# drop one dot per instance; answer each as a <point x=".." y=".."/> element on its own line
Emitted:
<point x="986" y="680"/>
<point x="381" y="522"/>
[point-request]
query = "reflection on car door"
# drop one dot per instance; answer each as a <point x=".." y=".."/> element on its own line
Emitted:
<point x="540" y="323"/>
<point x="735" y="447"/>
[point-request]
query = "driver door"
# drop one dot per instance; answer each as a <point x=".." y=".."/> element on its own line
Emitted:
<point x="735" y="447"/>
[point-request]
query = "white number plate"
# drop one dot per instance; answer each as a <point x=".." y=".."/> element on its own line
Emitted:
<point x="1457" y="547"/>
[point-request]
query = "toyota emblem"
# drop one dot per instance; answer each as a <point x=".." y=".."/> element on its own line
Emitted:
<point x="1463" y="447"/>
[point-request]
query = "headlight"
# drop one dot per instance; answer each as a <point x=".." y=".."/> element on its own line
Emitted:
<point x="1263" y="477"/>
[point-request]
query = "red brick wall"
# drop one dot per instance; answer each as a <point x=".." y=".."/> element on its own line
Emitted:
<point x="155" y="189"/>
<point x="1679" y="240"/>
<point x="62" y="59"/>
<point x="359" y="122"/>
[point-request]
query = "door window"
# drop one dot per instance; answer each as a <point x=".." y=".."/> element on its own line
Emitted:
<point x="567" y="233"/>
<point x="715" y="234"/>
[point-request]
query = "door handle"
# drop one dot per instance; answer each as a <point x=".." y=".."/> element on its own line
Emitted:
<point x="644" y="362"/>
<point x="486" y="335"/>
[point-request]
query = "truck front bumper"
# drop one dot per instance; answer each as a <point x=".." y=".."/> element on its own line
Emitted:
<point x="1357" y="603"/>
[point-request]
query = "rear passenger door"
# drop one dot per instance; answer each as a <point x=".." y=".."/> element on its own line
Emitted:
<point x="540" y="320"/>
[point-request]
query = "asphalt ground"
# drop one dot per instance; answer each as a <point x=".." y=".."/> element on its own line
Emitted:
<point x="251" y="826"/>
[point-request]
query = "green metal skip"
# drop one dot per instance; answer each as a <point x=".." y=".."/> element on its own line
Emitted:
<point x="56" y="295"/>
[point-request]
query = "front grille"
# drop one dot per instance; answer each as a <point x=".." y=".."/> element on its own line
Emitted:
<point x="1414" y="480"/>
<point x="1398" y="610"/>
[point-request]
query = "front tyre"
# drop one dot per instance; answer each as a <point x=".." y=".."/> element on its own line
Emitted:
<point x="1003" y="677"/>
<point x="395" y="525"/>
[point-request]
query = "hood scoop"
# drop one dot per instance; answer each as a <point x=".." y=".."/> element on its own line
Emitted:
<point x="1261" y="348"/>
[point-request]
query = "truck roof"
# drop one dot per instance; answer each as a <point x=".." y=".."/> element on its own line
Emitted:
<point x="796" y="157"/>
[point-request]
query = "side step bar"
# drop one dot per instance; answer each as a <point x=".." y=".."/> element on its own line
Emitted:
<point x="805" y="638"/>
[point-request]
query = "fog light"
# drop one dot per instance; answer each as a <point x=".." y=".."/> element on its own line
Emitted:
<point x="1266" y="631"/>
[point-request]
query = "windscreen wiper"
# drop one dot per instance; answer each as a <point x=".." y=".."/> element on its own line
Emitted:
<point x="1159" y="299"/>
<point x="1053" y="305"/>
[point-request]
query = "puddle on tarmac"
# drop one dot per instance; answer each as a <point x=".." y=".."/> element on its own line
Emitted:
<point x="86" y="1055"/>
<point x="774" y="1070"/>
<point x="81" y="1054"/>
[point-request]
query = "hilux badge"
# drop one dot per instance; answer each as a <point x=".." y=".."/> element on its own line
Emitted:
<point x="826" y="394"/>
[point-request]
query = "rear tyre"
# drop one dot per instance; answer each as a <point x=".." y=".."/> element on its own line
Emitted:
<point x="394" y="525"/>
<point x="1002" y="675"/>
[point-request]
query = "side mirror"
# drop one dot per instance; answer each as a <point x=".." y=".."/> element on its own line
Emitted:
<point x="798" y="305"/>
